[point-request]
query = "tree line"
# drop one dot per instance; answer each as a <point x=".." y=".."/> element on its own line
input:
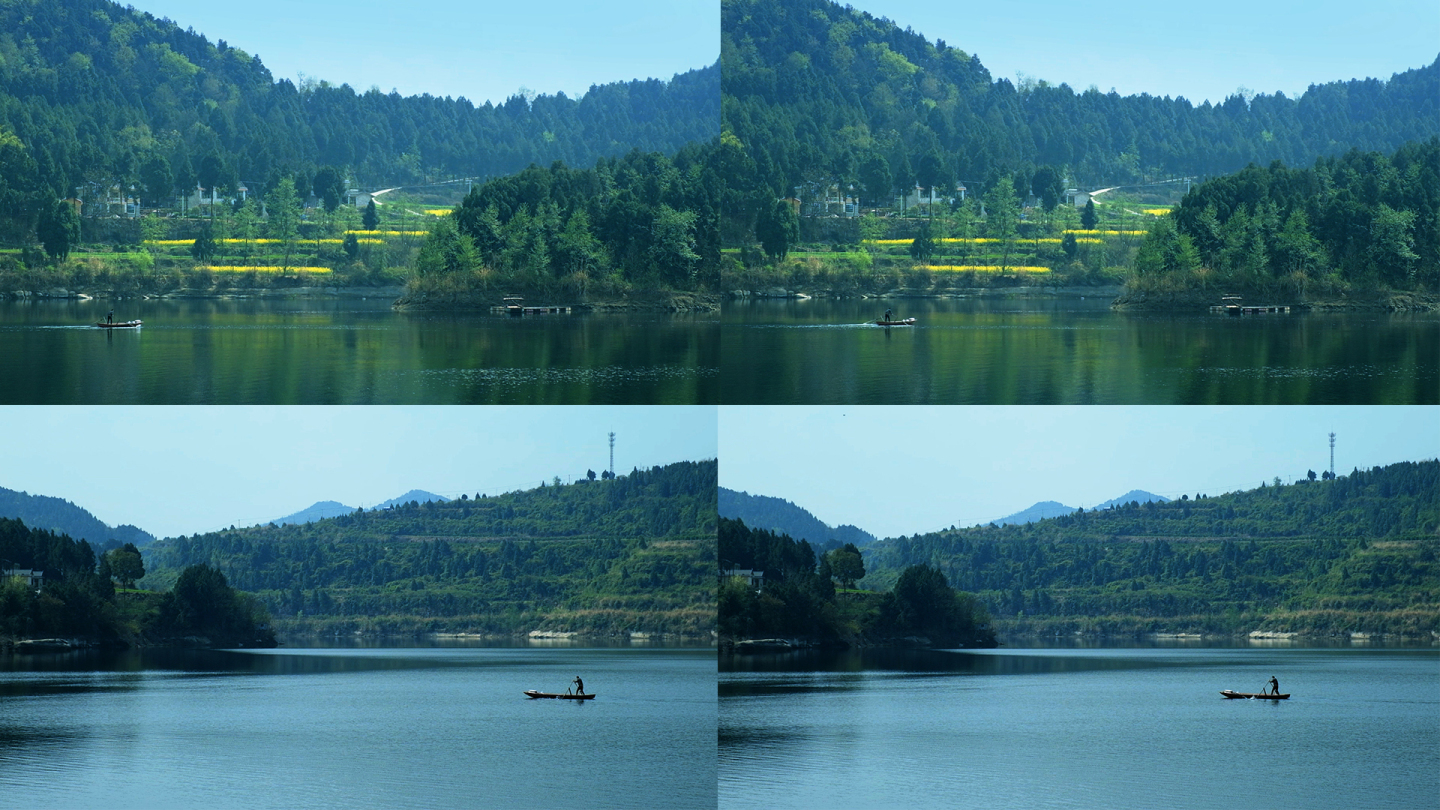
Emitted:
<point x="815" y="93"/>
<point x="1354" y="552"/>
<point x="78" y="596"/>
<point x="798" y="596"/>
<point x="602" y="555"/>
<point x="643" y="219"/>
<point x="97" y="93"/>
<point x="1363" y="218"/>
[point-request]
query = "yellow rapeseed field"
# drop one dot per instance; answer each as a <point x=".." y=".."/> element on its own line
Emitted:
<point x="982" y="268"/>
<point x="261" y="268"/>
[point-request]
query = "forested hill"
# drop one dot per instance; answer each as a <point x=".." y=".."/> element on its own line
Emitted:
<point x="633" y="552"/>
<point x="783" y="517"/>
<point x="1356" y="553"/>
<point x="819" y="92"/>
<point x="97" y="91"/>
<point x="63" y="517"/>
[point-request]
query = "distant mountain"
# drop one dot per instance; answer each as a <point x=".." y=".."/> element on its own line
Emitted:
<point x="1040" y="511"/>
<point x="330" y="509"/>
<point x="1137" y="495"/>
<point x="316" y="511"/>
<point x="63" y="517"/>
<point x="418" y="495"/>
<point x="781" y="516"/>
<point x="1051" y="509"/>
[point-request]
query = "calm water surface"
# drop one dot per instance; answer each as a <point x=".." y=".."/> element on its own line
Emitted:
<point x="1070" y="350"/>
<point x="349" y="351"/>
<point x="1116" y="728"/>
<point x="413" y="728"/>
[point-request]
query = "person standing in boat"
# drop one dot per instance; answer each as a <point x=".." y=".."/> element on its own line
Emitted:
<point x="887" y="316"/>
<point x="579" y="686"/>
<point x="110" y="316"/>
<point x="1274" y="686"/>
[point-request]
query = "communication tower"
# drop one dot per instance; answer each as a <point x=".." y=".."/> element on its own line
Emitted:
<point x="612" y="453"/>
<point x="1332" y="454"/>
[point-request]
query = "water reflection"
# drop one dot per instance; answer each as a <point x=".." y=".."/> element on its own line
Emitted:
<point x="1071" y="350"/>
<point x="352" y="351"/>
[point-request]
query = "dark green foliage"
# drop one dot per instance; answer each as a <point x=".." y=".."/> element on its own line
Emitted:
<point x="798" y="599"/>
<point x="1363" y="542"/>
<point x="641" y="218"/>
<point x="351" y="245"/>
<point x="924" y="245"/>
<point x="782" y="517"/>
<point x="1088" y="218"/>
<point x="77" y="597"/>
<point x="795" y="600"/>
<point x="59" y="229"/>
<point x="125" y="565"/>
<point x="597" y="555"/>
<point x="371" y="218"/>
<point x="202" y="604"/>
<point x="205" y="245"/>
<point x="62" y="517"/>
<point x="812" y="91"/>
<point x="846" y="565"/>
<point x="329" y="186"/>
<point x="778" y="229"/>
<point x="95" y="90"/>
<point x="1367" y="218"/>
<point x="922" y="603"/>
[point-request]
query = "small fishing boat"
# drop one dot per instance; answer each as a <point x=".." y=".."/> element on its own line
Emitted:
<point x="532" y="694"/>
<point x="906" y="322"/>
<point x="1233" y="695"/>
<point x="121" y="325"/>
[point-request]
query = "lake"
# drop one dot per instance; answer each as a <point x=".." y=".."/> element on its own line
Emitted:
<point x="348" y="351"/>
<point x="1069" y="350"/>
<point x="1051" y="728"/>
<point x="359" y="728"/>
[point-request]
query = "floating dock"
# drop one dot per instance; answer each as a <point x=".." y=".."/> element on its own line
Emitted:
<point x="525" y="310"/>
<point x="1247" y="309"/>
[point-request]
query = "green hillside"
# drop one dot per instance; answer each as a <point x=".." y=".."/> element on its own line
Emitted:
<point x="817" y="93"/>
<point x="1354" y="554"/>
<point x="97" y="91"/>
<point x="636" y="552"/>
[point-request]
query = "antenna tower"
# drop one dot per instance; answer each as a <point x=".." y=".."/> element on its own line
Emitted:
<point x="1332" y="454"/>
<point x="612" y="453"/>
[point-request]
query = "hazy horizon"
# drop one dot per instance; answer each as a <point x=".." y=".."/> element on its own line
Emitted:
<point x="179" y="470"/>
<point x="901" y="470"/>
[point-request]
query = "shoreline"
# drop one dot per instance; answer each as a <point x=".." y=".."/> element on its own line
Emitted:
<point x="1068" y="291"/>
<point x="1123" y="301"/>
<point x="647" y="301"/>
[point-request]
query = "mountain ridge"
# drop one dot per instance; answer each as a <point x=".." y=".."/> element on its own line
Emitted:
<point x="63" y="517"/>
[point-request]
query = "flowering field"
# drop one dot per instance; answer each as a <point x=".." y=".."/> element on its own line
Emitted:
<point x="982" y="268"/>
<point x="261" y="268"/>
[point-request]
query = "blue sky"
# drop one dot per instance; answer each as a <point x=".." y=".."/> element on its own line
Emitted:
<point x="907" y="469"/>
<point x="479" y="50"/>
<point x="186" y="469"/>
<point x="1196" y="50"/>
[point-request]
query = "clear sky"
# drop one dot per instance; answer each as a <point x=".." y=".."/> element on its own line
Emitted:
<point x="1196" y="50"/>
<point x="484" y="50"/>
<point x="186" y="469"/>
<point x="901" y="470"/>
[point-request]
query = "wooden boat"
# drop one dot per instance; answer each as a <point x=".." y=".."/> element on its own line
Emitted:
<point x="1248" y="696"/>
<point x="906" y="322"/>
<point x="532" y="694"/>
<point x="122" y="325"/>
